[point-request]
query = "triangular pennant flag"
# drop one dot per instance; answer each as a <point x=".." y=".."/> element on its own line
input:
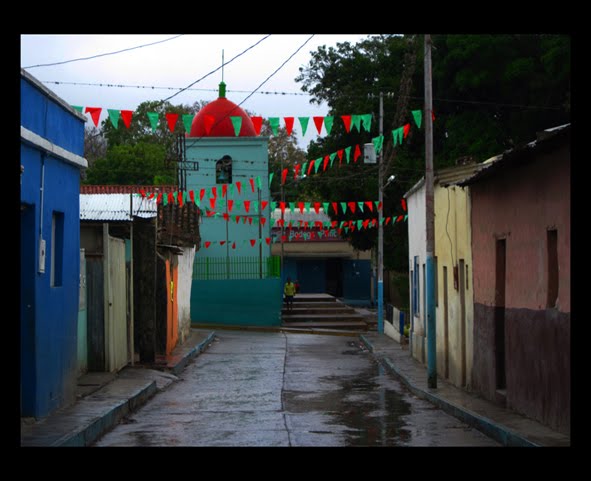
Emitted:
<point x="250" y="220"/>
<point x="252" y="242"/>
<point x="180" y="198"/>
<point x="348" y="153"/>
<point x="237" y="219"/>
<point x="165" y="199"/>
<point x="187" y="122"/>
<point x="406" y="217"/>
<point x="212" y="203"/>
<point x="332" y="156"/>
<point x="318" y="122"/>
<point x="355" y="122"/>
<point x="214" y="192"/>
<point x="360" y="204"/>
<point x="335" y="207"/>
<point x="222" y="243"/>
<point x="282" y="207"/>
<point x="236" y="123"/>
<point x="320" y="234"/>
<point x="171" y="119"/>
<point x="317" y="163"/>
<point x="159" y="198"/>
<point x="274" y="122"/>
<point x="151" y="195"/>
<point x="357" y="153"/>
<point x="238" y="204"/>
<point x="403" y="202"/>
<point x="268" y="240"/>
<point x="365" y="223"/>
<point x="142" y="192"/>
<point x="259" y="183"/>
<point x="325" y="207"/>
<point x="288" y="124"/>
<point x="347" y="122"/>
<point x="201" y="194"/>
<point x="340" y="154"/>
<point x="192" y="196"/>
<point x="369" y="204"/>
<point x="296" y="171"/>
<point x="292" y="207"/>
<point x="170" y="198"/>
<point x="258" y="123"/>
<point x="251" y="180"/>
<point x="366" y="121"/>
<point x="126" y="116"/>
<point x="378" y="142"/>
<point x="224" y="190"/>
<point x="352" y="206"/>
<point x="346" y="230"/>
<point x="230" y="205"/>
<point x="310" y="166"/>
<point x="233" y="245"/>
<point x="326" y="159"/>
<point x="247" y="206"/>
<point x="406" y="130"/>
<point x="344" y="207"/>
<point x="317" y="207"/>
<point x="382" y="221"/>
<point x="153" y="118"/>
<point x="226" y="216"/>
<point x="207" y="244"/>
<point x="77" y="107"/>
<point x="210" y="213"/>
<point x="400" y="217"/>
<point x="208" y="121"/>
<point x="273" y="206"/>
<point x="231" y="190"/>
<point x="263" y="220"/>
<point x="400" y="134"/>
<point x="359" y="224"/>
<point x="271" y="178"/>
<point x="264" y="204"/>
<point x="301" y="207"/>
<point x="418" y="116"/>
<point x="114" y="117"/>
<point x="304" y="124"/>
<point x="328" y="121"/>
<point x="378" y="205"/>
<point x="238" y="186"/>
<point x="95" y="113"/>
<point x="283" y="176"/>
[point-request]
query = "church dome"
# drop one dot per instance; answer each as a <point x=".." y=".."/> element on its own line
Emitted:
<point x="213" y="120"/>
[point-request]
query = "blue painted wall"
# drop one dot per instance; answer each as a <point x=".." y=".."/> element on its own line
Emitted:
<point x="49" y="315"/>
<point x="356" y="281"/>
<point x="253" y="302"/>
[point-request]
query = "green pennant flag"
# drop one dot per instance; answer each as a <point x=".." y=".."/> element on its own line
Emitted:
<point x="114" y="116"/>
<point x="258" y="182"/>
<point x="328" y="121"/>
<point x="304" y="168"/>
<point x="273" y="206"/>
<point x="378" y="142"/>
<point x="332" y="156"/>
<point x="382" y="220"/>
<point x="77" y="107"/>
<point x="406" y="217"/>
<point x="237" y="123"/>
<point x="348" y="153"/>
<point x="273" y="220"/>
<point x="256" y="207"/>
<point x="377" y="203"/>
<point x="366" y="121"/>
<point x="292" y="207"/>
<point x="320" y="234"/>
<point x="418" y="116"/>
<point x="346" y="230"/>
<point x="197" y="202"/>
<point x="326" y="224"/>
<point x="344" y="207"/>
<point x="360" y="204"/>
<point x="325" y="207"/>
<point x="307" y="206"/>
<point x="184" y="196"/>
<point x="359" y="223"/>
<point x="153" y="117"/>
<point x="317" y="164"/>
<point x="187" y="122"/>
<point x="237" y="204"/>
<point x="274" y="122"/>
<point x="165" y="199"/>
<point x="355" y="122"/>
<point x="342" y="224"/>
<point x="400" y="132"/>
<point x="231" y="191"/>
<point x="304" y="124"/>
<point x="271" y="178"/>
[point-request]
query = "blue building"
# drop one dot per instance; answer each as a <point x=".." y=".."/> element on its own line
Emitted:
<point x="52" y="146"/>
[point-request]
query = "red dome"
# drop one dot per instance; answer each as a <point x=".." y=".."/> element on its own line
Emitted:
<point x="216" y="115"/>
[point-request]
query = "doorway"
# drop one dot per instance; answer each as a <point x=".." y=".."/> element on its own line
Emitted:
<point x="27" y="307"/>
<point x="334" y="277"/>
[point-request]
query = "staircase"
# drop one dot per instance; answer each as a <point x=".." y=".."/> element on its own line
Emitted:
<point x="322" y="311"/>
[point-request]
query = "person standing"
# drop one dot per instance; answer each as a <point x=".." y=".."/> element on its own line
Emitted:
<point x="289" y="291"/>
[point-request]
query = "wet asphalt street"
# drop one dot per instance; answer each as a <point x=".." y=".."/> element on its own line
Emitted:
<point x="277" y="389"/>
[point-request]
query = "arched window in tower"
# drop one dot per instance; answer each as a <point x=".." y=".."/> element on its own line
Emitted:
<point x="223" y="170"/>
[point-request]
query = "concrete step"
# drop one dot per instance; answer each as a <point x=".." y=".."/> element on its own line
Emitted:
<point x="351" y="325"/>
<point x="318" y="310"/>
<point x="317" y="305"/>
<point x="289" y="318"/>
<point x="314" y="298"/>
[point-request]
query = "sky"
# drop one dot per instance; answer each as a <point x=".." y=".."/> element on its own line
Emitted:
<point x="177" y="63"/>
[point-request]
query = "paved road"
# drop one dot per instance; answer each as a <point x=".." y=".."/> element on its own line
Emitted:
<point x="276" y="389"/>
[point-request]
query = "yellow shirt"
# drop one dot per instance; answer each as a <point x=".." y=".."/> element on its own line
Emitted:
<point x="289" y="289"/>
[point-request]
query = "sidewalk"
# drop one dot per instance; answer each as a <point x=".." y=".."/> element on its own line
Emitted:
<point x="503" y="425"/>
<point x="103" y="399"/>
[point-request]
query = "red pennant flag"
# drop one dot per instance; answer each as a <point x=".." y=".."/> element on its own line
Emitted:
<point x="226" y="216"/>
<point x="268" y="240"/>
<point x="318" y="122"/>
<point x="192" y="196"/>
<point x="283" y="238"/>
<point x="247" y="206"/>
<point x="310" y="165"/>
<point x="282" y="206"/>
<point x="379" y="206"/>
<point x="252" y="242"/>
<point x="400" y="217"/>
<point x="263" y="220"/>
<point x="281" y="222"/>
<point x="357" y="153"/>
<point x="432" y="116"/>
<point x="95" y="113"/>
<point x="171" y="119"/>
<point x="288" y="124"/>
<point x="317" y="207"/>
<point x="208" y="121"/>
<point x="230" y="205"/>
<point x="143" y="192"/>
<point x="224" y="190"/>
<point x="210" y="213"/>
<point x="326" y="160"/>
<point x="201" y="194"/>
<point x="352" y="205"/>
<point x="159" y="198"/>
<point x="212" y="202"/>
<point x="296" y="171"/>
<point x="151" y="196"/>
<point x="369" y="203"/>
<point x="334" y="223"/>
<point x="170" y="198"/>
<point x="126" y="116"/>
<point x="258" y="123"/>
<point x="251" y="184"/>
<point x="403" y="202"/>
<point x="301" y="207"/>
<point x="374" y="222"/>
<point x="222" y="243"/>
<point x="318" y="224"/>
<point x="340" y="154"/>
<point x="180" y="198"/>
<point x="238" y="186"/>
<point x="237" y="219"/>
<point x="264" y="204"/>
<point x="207" y="244"/>
<point x="347" y="122"/>
<point x="283" y="176"/>
<point x="233" y="245"/>
<point x="365" y="223"/>
<point x="214" y="192"/>
<point x="406" y="130"/>
<point x="335" y="207"/>
<point x="387" y="220"/>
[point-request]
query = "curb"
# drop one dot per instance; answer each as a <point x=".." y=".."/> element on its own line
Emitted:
<point x="198" y="349"/>
<point x="88" y="434"/>
<point x="495" y="431"/>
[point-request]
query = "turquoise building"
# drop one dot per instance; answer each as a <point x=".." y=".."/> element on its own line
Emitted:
<point x="235" y="279"/>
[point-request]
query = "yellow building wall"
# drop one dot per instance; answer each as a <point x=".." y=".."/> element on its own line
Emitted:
<point x="453" y="243"/>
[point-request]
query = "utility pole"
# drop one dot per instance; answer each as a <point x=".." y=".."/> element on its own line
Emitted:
<point x="282" y="221"/>
<point x="430" y="220"/>
<point x="380" y="226"/>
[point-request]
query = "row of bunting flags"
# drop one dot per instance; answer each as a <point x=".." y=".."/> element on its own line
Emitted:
<point x="302" y="224"/>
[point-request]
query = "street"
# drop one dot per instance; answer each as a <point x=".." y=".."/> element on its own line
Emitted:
<point x="281" y="389"/>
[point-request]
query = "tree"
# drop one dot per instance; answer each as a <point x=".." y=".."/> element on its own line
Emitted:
<point x="95" y="144"/>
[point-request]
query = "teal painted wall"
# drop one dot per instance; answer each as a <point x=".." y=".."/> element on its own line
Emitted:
<point x="249" y="160"/>
<point x="255" y="302"/>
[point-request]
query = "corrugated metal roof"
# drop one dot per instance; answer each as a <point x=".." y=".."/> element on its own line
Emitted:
<point x="115" y="207"/>
<point x="296" y="216"/>
<point x="457" y="173"/>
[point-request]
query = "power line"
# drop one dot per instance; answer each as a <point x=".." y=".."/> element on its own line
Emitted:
<point x="213" y="71"/>
<point x="103" y="54"/>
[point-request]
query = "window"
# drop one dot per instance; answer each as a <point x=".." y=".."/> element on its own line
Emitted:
<point x="223" y="170"/>
<point x="552" y="237"/>
<point x="57" y="249"/>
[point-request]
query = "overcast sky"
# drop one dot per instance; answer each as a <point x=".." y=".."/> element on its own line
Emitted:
<point x="178" y="63"/>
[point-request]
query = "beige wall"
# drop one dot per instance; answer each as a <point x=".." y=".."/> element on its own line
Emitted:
<point x="185" y="281"/>
<point x="452" y="244"/>
<point x="319" y="249"/>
